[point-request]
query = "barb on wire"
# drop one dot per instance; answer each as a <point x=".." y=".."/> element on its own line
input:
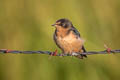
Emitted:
<point x="108" y="51"/>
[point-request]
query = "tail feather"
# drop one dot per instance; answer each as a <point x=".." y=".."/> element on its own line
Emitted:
<point x="84" y="50"/>
<point x="82" y="55"/>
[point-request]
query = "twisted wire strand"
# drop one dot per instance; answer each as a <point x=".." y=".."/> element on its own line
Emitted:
<point x="5" y="51"/>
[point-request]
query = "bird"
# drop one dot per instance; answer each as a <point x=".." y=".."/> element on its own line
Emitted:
<point x="67" y="38"/>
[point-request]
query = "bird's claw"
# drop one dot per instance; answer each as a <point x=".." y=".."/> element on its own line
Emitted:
<point x="62" y="55"/>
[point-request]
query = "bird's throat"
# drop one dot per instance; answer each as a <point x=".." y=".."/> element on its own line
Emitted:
<point x="61" y="32"/>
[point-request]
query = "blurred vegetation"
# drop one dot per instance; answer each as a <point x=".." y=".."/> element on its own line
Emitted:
<point x="26" y="25"/>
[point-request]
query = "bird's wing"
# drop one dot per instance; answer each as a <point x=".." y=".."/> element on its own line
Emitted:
<point x="75" y="31"/>
<point x="83" y="48"/>
<point x="78" y="35"/>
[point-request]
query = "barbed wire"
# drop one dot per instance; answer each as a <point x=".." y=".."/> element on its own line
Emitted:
<point x="108" y="51"/>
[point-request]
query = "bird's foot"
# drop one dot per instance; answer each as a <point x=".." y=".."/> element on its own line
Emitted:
<point x="62" y="55"/>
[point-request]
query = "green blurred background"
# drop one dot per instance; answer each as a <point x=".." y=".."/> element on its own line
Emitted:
<point x="26" y="25"/>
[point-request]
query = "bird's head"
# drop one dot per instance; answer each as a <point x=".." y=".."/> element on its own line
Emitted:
<point x="64" y="23"/>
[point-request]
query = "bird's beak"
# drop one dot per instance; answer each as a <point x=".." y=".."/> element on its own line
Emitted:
<point x="53" y="24"/>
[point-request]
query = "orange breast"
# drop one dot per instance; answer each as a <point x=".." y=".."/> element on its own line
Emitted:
<point x="70" y="43"/>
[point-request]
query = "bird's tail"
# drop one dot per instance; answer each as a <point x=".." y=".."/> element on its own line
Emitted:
<point x="82" y="55"/>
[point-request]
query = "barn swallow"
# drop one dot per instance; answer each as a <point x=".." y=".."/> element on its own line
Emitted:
<point x="67" y="38"/>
